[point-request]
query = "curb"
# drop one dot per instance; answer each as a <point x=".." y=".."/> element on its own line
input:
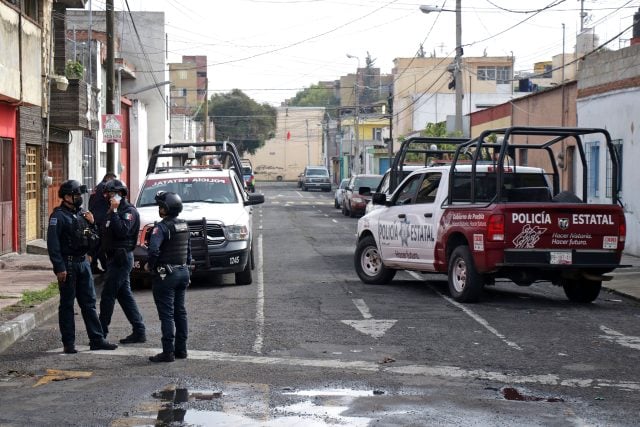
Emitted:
<point x="13" y="330"/>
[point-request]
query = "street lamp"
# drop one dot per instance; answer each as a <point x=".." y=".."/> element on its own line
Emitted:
<point x="457" y="80"/>
<point x="358" y="165"/>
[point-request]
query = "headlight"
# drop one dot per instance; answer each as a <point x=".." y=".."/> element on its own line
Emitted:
<point x="236" y="232"/>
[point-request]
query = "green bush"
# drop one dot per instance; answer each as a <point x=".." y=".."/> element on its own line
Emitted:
<point x="74" y="70"/>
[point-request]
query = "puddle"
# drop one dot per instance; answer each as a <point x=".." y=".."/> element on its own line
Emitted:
<point x="248" y="405"/>
<point x="511" y="393"/>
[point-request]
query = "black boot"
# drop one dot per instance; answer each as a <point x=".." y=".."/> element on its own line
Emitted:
<point x="162" y="357"/>
<point x="70" y="349"/>
<point x="181" y="354"/>
<point x="134" y="338"/>
<point x="102" y="345"/>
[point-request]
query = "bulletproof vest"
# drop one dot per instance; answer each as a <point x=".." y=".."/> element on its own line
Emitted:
<point x="83" y="236"/>
<point x="128" y="243"/>
<point x="174" y="249"/>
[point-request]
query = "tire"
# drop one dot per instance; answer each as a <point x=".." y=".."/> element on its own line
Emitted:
<point x="581" y="291"/>
<point x="369" y="265"/>
<point x="465" y="283"/>
<point x="352" y="214"/>
<point x="244" y="277"/>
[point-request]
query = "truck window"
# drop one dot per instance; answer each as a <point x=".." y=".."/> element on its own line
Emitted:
<point x="409" y="190"/>
<point x="429" y="188"/>
<point x="485" y="185"/>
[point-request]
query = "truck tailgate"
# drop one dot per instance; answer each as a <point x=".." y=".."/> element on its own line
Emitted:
<point x="563" y="234"/>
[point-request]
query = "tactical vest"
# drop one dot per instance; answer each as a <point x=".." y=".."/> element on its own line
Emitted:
<point x="128" y="243"/>
<point x="174" y="249"/>
<point x="83" y="237"/>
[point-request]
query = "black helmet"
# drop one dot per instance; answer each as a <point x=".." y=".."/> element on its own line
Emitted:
<point x="170" y="201"/>
<point x="116" y="186"/>
<point x="71" y="186"/>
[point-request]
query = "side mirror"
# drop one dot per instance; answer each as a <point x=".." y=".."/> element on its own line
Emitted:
<point x="255" y="199"/>
<point x="379" y="199"/>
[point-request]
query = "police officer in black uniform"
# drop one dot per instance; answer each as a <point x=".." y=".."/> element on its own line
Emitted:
<point x="70" y="236"/>
<point x="120" y="233"/>
<point x="99" y="206"/>
<point x="169" y="259"/>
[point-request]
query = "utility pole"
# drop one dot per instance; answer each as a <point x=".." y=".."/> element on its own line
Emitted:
<point x="308" y="147"/>
<point x="110" y="107"/>
<point x="206" y="109"/>
<point x="390" y="143"/>
<point x="357" y="126"/>
<point x="458" y="69"/>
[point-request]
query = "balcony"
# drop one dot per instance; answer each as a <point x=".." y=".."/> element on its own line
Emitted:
<point x="75" y="108"/>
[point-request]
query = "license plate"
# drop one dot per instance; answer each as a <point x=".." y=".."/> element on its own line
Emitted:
<point x="610" y="242"/>
<point x="560" y="258"/>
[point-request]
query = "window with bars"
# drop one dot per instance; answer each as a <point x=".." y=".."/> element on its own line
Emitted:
<point x="500" y="75"/>
<point x="617" y="144"/>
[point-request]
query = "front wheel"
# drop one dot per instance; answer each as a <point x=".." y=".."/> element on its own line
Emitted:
<point x="581" y="291"/>
<point x="369" y="265"/>
<point x="465" y="283"/>
<point x="244" y="277"/>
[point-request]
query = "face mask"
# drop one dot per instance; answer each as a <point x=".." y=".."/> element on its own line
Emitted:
<point x="77" y="201"/>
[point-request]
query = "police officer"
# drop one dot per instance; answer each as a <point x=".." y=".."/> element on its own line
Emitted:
<point x="71" y="234"/>
<point x="120" y="233"/>
<point x="99" y="206"/>
<point x="169" y="259"/>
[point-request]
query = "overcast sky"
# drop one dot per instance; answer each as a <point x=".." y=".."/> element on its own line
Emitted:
<point x="270" y="49"/>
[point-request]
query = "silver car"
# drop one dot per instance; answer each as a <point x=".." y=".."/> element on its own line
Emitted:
<point x="339" y="196"/>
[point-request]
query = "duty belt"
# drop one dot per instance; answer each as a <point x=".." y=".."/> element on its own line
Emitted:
<point x="75" y="258"/>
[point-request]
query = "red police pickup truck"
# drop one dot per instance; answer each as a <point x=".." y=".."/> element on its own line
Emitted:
<point x="500" y="211"/>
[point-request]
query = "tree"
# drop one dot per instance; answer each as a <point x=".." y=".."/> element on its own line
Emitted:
<point x="315" y="96"/>
<point x="241" y="120"/>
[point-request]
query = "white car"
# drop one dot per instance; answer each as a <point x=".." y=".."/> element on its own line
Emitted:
<point x="218" y="210"/>
<point x="339" y="195"/>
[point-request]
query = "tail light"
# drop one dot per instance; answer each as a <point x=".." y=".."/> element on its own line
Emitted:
<point x="495" y="228"/>
<point x="622" y="230"/>
<point x="144" y="234"/>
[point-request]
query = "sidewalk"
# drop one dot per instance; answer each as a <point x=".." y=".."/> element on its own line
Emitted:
<point x="33" y="272"/>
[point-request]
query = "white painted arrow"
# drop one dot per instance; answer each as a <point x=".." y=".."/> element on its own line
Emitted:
<point x="369" y="326"/>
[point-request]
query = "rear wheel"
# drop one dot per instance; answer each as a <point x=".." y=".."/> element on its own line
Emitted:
<point x="465" y="283"/>
<point x="369" y="265"/>
<point x="582" y="291"/>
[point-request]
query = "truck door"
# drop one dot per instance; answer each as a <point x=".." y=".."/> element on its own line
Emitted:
<point x="407" y="229"/>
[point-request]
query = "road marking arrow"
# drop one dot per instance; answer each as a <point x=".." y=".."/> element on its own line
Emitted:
<point x="369" y="326"/>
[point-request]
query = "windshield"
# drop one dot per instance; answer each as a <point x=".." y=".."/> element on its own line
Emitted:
<point x="368" y="181"/>
<point x="317" y="172"/>
<point x="192" y="189"/>
<point x="246" y="170"/>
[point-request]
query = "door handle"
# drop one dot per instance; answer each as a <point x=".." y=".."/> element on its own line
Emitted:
<point x="402" y="216"/>
<point x="428" y="215"/>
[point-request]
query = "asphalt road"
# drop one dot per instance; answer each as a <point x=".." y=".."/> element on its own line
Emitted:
<point x="309" y="344"/>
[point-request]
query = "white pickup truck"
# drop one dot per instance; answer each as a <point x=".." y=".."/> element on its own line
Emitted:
<point x="491" y="218"/>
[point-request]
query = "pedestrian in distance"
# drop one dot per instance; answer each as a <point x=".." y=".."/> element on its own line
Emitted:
<point x="70" y="236"/>
<point x="120" y="234"/>
<point x="168" y="261"/>
<point x="99" y="205"/>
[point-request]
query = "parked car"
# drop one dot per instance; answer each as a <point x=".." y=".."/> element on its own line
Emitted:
<point x="247" y="174"/>
<point x="316" y="177"/>
<point x="339" y="196"/>
<point x="355" y="200"/>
